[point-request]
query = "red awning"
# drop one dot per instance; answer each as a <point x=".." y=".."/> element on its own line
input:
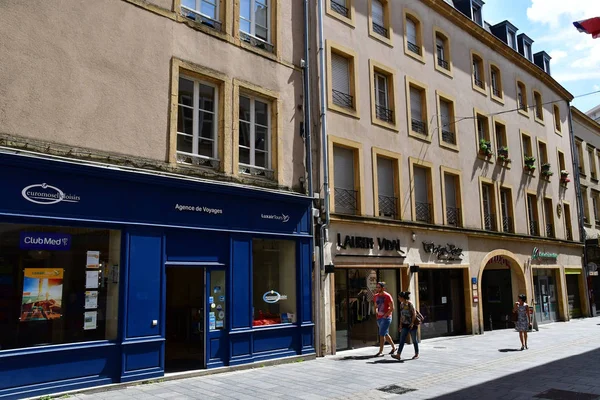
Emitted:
<point x="590" y="26"/>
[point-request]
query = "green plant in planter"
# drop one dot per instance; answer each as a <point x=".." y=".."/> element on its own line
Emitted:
<point x="546" y="170"/>
<point x="503" y="154"/>
<point x="564" y="176"/>
<point x="485" y="148"/>
<point x="530" y="163"/>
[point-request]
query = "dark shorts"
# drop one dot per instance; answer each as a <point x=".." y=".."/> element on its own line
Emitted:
<point x="384" y="326"/>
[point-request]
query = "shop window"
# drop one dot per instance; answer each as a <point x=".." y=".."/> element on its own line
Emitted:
<point x="205" y="12"/>
<point x="496" y="80"/>
<point x="197" y="122"/>
<point x="506" y="208"/>
<point x="568" y="227"/>
<point x="549" y="216"/>
<point x="58" y="285"/>
<point x="273" y="282"/>
<point x="532" y="214"/>
<point x="592" y="161"/>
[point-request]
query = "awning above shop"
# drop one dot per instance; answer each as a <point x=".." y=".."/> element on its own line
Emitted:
<point x="591" y="233"/>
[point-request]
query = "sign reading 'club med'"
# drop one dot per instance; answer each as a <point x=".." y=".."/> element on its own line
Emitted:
<point x="45" y="241"/>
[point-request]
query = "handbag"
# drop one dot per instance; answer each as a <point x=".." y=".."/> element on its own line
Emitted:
<point x="419" y="318"/>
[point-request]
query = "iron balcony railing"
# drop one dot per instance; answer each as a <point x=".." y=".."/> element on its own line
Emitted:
<point x="388" y="206"/>
<point x="199" y="18"/>
<point x="443" y="63"/>
<point x="418" y="126"/>
<point x="339" y="8"/>
<point x="538" y="114"/>
<point x="380" y="30"/>
<point x="533" y="228"/>
<point x="453" y="216"/>
<point x="522" y="106"/>
<point x="479" y="82"/>
<point x="549" y="230"/>
<point x="256" y="42"/>
<point x="345" y="201"/>
<point x="489" y="220"/>
<point x="423" y="212"/>
<point x="448" y="136"/>
<point x="342" y="99"/>
<point x="414" y="48"/>
<point x="569" y="233"/>
<point x="507" y="225"/>
<point x="496" y="92"/>
<point x="384" y="114"/>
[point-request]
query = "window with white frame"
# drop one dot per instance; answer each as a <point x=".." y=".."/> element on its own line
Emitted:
<point x="203" y="8"/>
<point x="254" y="18"/>
<point x="255" y="129"/>
<point x="196" y="120"/>
<point x="340" y="76"/>
<point x="382" y="103"/>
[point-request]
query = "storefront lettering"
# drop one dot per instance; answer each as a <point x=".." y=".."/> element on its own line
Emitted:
<point x="273" y="297"/>
<point x="206" y="210"/>
<point x="278" y="217"/>
<point x="45" y="241"/>
<point x="499" y="260"/>
<point x="42" y="193"/>
<point x="539" y="255"/>
<point x="362" y="242"/>
<point x="448" y="253"/>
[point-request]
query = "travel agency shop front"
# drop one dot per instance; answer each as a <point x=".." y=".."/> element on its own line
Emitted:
<point x="113" y="276"/>
<point x="432" y="264"/>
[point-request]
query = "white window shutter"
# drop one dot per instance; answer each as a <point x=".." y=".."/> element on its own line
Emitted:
<point x="340" y="71"/>
<point x="377" y="12"/>
<point x="415" y="103"/>
<point x="343" y="168"/>
<point x="450" y="189"/>
<point x="420" y="178"/>
<point x="385" y="177"/>
<point x="411" y="31"/>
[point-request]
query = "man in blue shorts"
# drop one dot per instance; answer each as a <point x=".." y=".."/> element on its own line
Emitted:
<point x="384" y="304"/>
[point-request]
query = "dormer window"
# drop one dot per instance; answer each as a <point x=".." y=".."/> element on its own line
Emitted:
<point x="476" y="10"/>
<point x="511" y="40"/>
<point x="528" y="52"/>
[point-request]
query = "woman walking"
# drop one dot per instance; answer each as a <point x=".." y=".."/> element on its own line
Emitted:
<point x="408" y="318"/>
<point x="523" y="319"/>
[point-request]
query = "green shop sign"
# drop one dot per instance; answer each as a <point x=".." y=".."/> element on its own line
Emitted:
<point x="540" y="255"/>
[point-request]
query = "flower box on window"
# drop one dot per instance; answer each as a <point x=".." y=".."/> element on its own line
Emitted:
<point x="564" y="176"/>
<point x="546" y="170"/>
<point x="485" y="148"/>
<point x="503" y="154"/>
<point x="529" y="163"/>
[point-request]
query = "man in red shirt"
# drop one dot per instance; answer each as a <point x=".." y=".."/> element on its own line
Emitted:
<point x="384" y="304"/>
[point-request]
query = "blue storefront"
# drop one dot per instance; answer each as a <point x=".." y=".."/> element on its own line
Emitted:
<point x="112" y="276"/>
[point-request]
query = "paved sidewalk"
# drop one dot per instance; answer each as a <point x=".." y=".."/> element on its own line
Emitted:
<point x="561" y="356"/>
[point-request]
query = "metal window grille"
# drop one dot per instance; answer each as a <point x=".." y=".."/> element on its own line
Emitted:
<point x="533" y="228"/>
<point x="418" y="126"/>
<point x="550" y="230"/>
<point x="345" y="200"/>
<point x="448" y="136"/>
<point x="339" y="8"/>
<point x="423" y="212"/>
<point x="388" y="206"/>
<point x="453" y="216"/>
<point x="414" y="48"/>
<point x="489" y="221"/>
<point x="384" y="114"/>
<point x="507" y="225"/>
<point x="443" y="63"/>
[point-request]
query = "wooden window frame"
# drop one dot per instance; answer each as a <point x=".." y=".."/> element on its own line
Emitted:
<point x="497" y="121"/>
<point x="225" y="11"/>
<point x="557" y="120"/>
<point x="494" y="193"/>
<point x="539" y="144"/>
<point x="424" y="110"/>
<point x="410" y="14"/>
<point x="396" y="159"/>
<point x="522" y="135"/>
<point x="511" y="207"/>
<point x="273" y="26"/>
<point x="567" y="221"/>
<point x="553" y="222"/>
<point x="481" y="71"/>
<point x="415" y="162"/>
<point x="498" y="99"/>
<point x="586" y="206"/>
<point x="579" y="155"/>
<point x="387" y="20"/>
<point x="539" y="106"/>
<point x="224" y="103"/>
<point x="447" y="52"/>
<point x="595" y="194"/>
<point x="359" y="183"/>
<point x="378" y="68"/>
<point x="352" y="57"/>
<point x="476" y="114"/>
<point x="439" y="96"/>
<point x="591" y="153"/>
<point x="536" y="211"/>
<point x="458" y="175"/>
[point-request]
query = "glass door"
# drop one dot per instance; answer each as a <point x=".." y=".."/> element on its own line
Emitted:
<point x="216" y="315"/>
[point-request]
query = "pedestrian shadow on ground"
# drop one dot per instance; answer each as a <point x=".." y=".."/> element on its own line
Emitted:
<point x="367" y="357"/>
<point x="387" y="361"/>
<point x="508" y="350"/>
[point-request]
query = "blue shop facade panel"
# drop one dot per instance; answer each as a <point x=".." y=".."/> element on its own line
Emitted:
<point x="113" y="276"/>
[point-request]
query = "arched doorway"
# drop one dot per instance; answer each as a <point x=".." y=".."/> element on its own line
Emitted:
<point x="502" y="279"/>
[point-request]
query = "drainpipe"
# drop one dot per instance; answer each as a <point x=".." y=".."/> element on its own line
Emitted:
<point x="580" y="212"/>
<point x="324" y="152"/>
<point x="309" y="167"/>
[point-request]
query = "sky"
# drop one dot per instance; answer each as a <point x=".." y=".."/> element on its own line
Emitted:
<point x="575" y="56"/>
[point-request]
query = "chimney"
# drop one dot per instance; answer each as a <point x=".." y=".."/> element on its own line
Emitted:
<point x="525" y="43"/>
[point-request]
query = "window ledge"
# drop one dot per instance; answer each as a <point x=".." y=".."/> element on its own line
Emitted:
<point x="478" y="89"/>
<point x="595" y="180"/>
<point x="341" y="18"/>
<point x="504" y="164"/>
<point x="415" y="56"/>
<point x="386" y="125"/>
<point x="380" y="38"/>
<point x="499" y="100"/>
<point x="255" y="172"/>
<point x="201" y="27"/>
<point x="259" y="51"/>
<point x="449" y="146"/>
<point x="559" y="133"/>
<point x="420" y="136"/>
<point x="351" y="112"/>
<point x="486" y="159"/>
<point x="447" y="72"/>
<point x="539" y="121"/>
<point x="523" y="113"/>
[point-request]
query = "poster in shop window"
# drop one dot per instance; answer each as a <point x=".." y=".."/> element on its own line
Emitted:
<point x="42" y="294"/>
